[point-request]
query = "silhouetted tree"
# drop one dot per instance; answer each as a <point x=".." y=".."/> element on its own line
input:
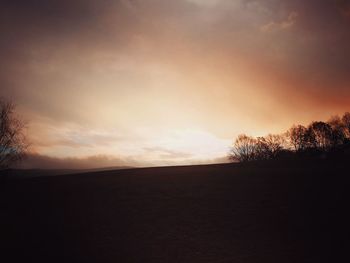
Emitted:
<point x="321" y="133"/>
<point x="262" y="151"/>
<point x="12" y="138"/>
<point x="244" y="149"/>
<point x="332" y="138"/>
<point x="338" y="136"/>
<point x="298" y="138"/>
<point x="269" y="147"/>
<point x="346" y="123"/>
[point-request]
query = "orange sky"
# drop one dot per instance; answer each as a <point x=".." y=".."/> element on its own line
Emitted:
<point x="161" y="82"/>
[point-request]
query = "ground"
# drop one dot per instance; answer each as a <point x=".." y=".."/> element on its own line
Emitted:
<point x="261" y="212"/>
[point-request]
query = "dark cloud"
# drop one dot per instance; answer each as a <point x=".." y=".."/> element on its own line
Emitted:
<point x="69" y="32"/>
<point x="344" y="8"/>
<point x="54" y="17"/>
<point x="326" y="38"/>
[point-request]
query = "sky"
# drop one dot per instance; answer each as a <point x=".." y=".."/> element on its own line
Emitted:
<point x="163" y="82"/>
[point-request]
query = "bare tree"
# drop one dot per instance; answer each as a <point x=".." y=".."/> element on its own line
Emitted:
<point x="13" y="142"/>
<point x="262" y="150"/>
<point x="318" y="139"/>
<point x="338" y="131"/>
<point x="270" y="146"/>
<point x="244" y="149"/>
<point x="297" y="136"/>
<point x="322" y="134"/>
<point x="346" y="123"/>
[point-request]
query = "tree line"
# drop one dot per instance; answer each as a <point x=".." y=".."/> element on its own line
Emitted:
<point x="317" y="139"/>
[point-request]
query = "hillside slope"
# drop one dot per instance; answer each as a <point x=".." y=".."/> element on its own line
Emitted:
<point x="268" y="212"/>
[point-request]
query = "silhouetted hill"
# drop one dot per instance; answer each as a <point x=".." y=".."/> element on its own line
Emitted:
<point x="291" y="211"/>
<point x="29" y="173"/>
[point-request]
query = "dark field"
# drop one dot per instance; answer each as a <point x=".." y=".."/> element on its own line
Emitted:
<point x="267" y="212"/>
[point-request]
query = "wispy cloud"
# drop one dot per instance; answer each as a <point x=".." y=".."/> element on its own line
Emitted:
<point x="39" y="161"/>
<point x="281" y="25"/>
<point x="168" y="154"/>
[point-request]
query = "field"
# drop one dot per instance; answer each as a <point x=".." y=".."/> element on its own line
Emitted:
<point x="260" y="212"/>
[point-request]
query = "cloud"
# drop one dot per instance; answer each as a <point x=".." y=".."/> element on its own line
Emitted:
<point x="205" y="2"/>
<point x="38" y="161"/>
<point x="115" y="77"/>
<point x="344" y="7"/>
<point x="168" y="154"/>
<point x="282" y="25"/>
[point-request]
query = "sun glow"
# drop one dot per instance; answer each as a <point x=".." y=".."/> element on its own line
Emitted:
<point x="170" y="82"/>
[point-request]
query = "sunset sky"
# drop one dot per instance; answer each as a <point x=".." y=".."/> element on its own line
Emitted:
<point x="162" y="82"/>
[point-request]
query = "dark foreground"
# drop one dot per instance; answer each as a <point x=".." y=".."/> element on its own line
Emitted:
<point x="221" y="213"/>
